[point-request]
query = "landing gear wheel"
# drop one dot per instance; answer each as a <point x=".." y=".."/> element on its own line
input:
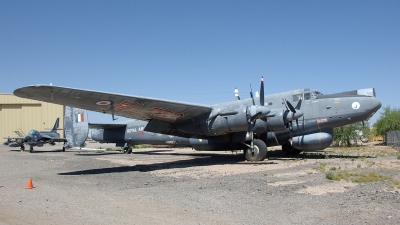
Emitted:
<point x="31" y="149"/>
<point x="259" y="152"/>
<point x="289" y="150"/>
<point x="63" y="149"/>
<point x="127" y="150"/>
<point x="22" y="148"/>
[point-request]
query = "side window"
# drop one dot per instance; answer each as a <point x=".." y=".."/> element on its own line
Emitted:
<point x="307" y="96"/>
<point x="297" y="97"/>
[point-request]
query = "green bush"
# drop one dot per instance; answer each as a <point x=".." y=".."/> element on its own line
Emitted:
<point x="329" y="175"/>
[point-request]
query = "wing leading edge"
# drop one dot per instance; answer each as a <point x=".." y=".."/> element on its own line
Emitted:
<point x="129" y="106"/>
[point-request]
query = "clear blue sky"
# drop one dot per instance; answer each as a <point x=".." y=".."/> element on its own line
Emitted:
<point x="199" y="51"/>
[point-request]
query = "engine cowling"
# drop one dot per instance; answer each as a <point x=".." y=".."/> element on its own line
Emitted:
<point x="224" y="121"/>
<point x="277" y="122"/>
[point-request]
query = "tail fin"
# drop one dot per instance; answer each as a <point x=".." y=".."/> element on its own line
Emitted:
<point x="76" y="126"/>
<point x="55" y="125"/>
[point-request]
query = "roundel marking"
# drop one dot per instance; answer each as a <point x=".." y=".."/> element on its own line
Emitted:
<point x="355" y="105"/>
<point x="103" y="103"/>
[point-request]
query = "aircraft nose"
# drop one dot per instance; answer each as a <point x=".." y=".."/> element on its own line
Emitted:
<point x="376" y="104"/>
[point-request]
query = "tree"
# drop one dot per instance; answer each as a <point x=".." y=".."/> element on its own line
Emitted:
<point x="388" y="121"/>
<point x="351" y="133"/>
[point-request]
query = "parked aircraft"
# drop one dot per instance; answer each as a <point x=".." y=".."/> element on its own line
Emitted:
<point x="38" y="138"/>
<point x="249" y="124"/>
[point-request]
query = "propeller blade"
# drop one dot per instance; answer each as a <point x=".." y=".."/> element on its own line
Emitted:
<point x="284" y="102"/>
<point x="298" y="104"/>
<point x="250" y="128"/>
<point x="262" y="92"/>
<point x="290" y="106"/>
<point x="251" y="93"/>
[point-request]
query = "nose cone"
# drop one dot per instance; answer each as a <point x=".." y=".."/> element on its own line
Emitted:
<point x="372" y="105"/>
<point x="376" y="104"/>
<point x="27" y="138"/>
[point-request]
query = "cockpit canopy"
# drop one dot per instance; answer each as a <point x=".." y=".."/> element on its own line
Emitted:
<point x="306" y="95"/>
<point x="34" y="134"/>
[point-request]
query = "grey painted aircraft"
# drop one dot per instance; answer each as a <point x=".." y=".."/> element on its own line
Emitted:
<point x="39" y="138"/>
<point x="243" y="124"/>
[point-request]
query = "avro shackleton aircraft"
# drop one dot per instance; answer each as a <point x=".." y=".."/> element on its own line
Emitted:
<point x="36" y="138"/>
<point x="248" y="124"/>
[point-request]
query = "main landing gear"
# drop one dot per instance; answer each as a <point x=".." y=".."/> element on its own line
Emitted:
<point x="258" y="152"/>
<point x="127" y="150"/>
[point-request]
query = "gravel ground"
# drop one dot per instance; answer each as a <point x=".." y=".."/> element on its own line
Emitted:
<point x="182" y="186"/>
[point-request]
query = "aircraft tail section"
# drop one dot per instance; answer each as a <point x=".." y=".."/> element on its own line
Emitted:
<point x="76" y="126"/>
<point x="55" y="127"/>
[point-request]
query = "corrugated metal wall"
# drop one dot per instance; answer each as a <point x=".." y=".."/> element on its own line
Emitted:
<point x="19" y="114"/>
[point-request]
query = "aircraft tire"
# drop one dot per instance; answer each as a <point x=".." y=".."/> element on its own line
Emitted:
<point x="259" y="153"/>
<point x="31" y="149"/>
<point x="127" y="150"/>
<point x="63" y="149"/>
<point x="22" y="148"/>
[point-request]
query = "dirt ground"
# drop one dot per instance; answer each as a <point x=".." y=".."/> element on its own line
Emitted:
<point x="182" y="186"/>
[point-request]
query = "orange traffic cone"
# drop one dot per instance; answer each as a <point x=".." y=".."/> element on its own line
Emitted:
<point x="29" y="185"/>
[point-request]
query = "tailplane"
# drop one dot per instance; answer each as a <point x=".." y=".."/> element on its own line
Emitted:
<point x="76" y="126"/>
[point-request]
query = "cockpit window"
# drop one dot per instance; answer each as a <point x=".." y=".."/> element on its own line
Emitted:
<point x="307" y="96"/>
<point x="316" y="93"/>
<point x="297" y="97"/>
<point x="33" y="132"/>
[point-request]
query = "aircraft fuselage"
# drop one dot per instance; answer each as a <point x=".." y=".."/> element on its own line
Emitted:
<point x="223" y="128"/>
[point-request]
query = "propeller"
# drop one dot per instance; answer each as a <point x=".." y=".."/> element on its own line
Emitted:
<point x="292" y="113"/>
<point x="256" y="111"/>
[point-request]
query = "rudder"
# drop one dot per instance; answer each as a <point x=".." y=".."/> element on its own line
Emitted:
<point x="76" y="126"/>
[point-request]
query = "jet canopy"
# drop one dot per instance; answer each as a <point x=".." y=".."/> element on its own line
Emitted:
<point x="34" y="135"/>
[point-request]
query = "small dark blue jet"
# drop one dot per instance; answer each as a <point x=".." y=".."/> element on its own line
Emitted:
<point x="38" y="138"/>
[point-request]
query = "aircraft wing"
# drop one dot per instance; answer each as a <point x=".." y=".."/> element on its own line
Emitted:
<point x="53" y="139"/>
<point x="136" y="107"/>
<point x="14" y="138"/>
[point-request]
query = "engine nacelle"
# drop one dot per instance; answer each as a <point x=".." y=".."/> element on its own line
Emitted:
<point x="312" y="142"/>
<point x="223" y="122"/>
<point x="277" y="123"/>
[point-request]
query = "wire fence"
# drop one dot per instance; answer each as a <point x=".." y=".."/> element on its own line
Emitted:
<point x="392" y="138"/>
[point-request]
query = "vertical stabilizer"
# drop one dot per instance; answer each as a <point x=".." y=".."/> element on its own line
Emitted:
<point x="76" y="126"/>
<point x="55" y="125"/>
